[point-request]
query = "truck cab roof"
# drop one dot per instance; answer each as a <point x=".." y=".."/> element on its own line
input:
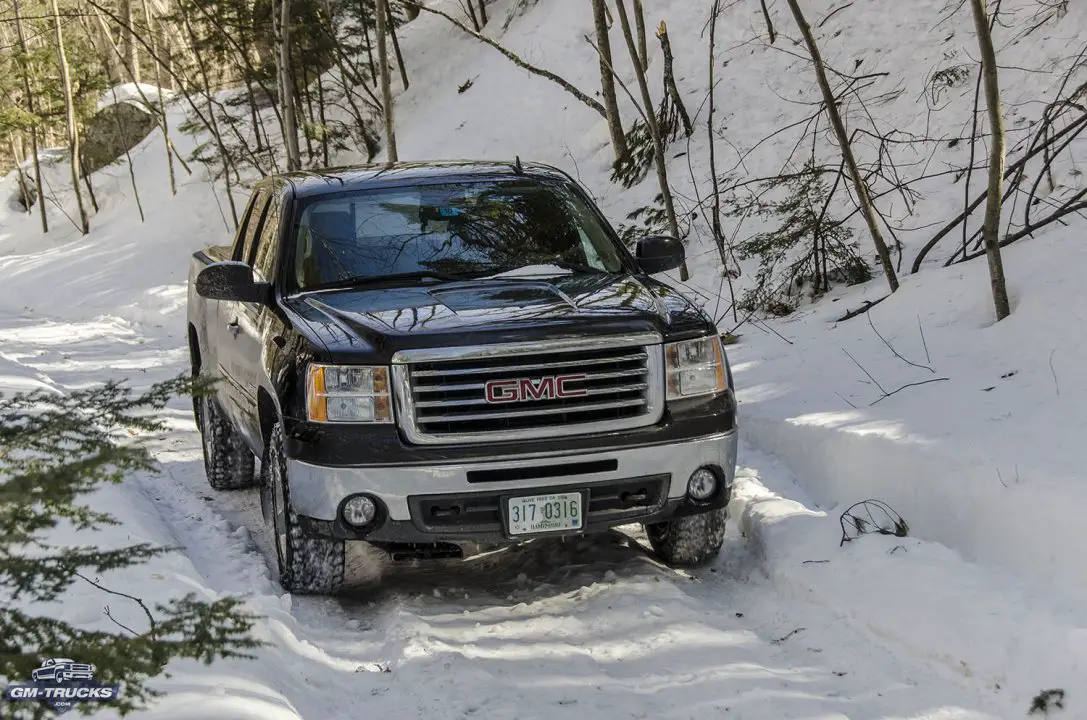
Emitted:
<point x="360" y="177"/>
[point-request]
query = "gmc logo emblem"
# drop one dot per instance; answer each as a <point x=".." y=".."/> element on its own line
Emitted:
<point x="543" y="388"/>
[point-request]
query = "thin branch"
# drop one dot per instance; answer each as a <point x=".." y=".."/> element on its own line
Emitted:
<point x="565" y="85"/>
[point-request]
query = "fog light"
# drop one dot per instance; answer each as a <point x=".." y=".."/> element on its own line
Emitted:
<point x="702" y="485"/>
<point x="359" y="511"/>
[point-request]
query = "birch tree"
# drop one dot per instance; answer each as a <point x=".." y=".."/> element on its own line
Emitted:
<point x="286" y="89"/>
<point x="386" y="83"/>
<point x="70" y="119"/>
<point x="991" y="228"/>
<point x="607" y="82"/>
<point x="31" y="109"/>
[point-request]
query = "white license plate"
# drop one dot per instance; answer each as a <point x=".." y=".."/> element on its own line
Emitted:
<point x="544" y="513"/>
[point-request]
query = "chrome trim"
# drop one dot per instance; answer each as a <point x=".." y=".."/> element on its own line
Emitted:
<point x="536" y="366"/>
<point x="654" y="374"/>
<point x="533" y="413"/>
<point x="480" y="386"/>
<point x="316" y="491"/>
<point x="636" y="387"/>
<point x="478" y="352"/>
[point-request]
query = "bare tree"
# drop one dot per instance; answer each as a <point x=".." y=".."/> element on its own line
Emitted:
<point x="396" y="45"/>
<point x="33" y="113"/>
<point x="991" y="228"/>
<point x="70" y="120"/>
<point x="715" y="209"/>
<point x="163" y="122"/>
<point x="607" y="82"/>
<point x="864" y="200"/>
<point x="639" y="25"/>
<point x="386" y="84"/>
<point x="132" y="57"/>
<point x="224" y="155"/>
<point x="286" y="89"/>
<point x="482" y="12"/>
<point x="654" y="128"/>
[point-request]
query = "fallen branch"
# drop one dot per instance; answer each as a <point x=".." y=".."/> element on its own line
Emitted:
<point x="868" y="305"/>
<point x="909" y="385"/>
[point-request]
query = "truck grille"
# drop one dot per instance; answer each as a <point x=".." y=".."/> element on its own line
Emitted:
<point x="522" y="391"/>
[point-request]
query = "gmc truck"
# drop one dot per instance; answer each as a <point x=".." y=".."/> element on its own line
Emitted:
<point x="434" y="357"/>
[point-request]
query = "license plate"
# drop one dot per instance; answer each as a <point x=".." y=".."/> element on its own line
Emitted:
<point x="544" y="513"/>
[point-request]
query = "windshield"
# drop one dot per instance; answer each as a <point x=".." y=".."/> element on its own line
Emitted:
<point x="466" y="229"/>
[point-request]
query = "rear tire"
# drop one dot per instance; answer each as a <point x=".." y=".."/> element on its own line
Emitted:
<point x="689" y="541"/>
<point x="307" y="565"/>
<point x="228" y="462"/>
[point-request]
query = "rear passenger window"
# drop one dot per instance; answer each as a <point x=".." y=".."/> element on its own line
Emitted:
<point x="247" y="233"/>
<point x="264" y="262"/>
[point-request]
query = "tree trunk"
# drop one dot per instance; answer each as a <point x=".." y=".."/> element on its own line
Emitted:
<point x="991" y="227"/>
<point x="482" y="12"/>
<point x="396" y="44"/>
<point x="386" y="83"/>
<point x="286" y="85"/>
<point x="654" y="129"/>
<point x="471" y="11"/>
<point x="223" y="154"/>
<point x="670" y="79"/>
<point x="163" y="122"/>
<point x="132" y="57"/>
<point x="24" y="191"/>
<point x="639" y="24"/>
<point x="87" y="181"/>
<point x="607" y="82"/>
<point x="70" y="120"/>
<point x="863" y="198"/>
<point x="369" y="45"/>
<point x="31" y="109"/>
<point x="715" y="210"/>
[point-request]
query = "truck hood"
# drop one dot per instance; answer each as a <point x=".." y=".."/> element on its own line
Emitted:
<point x="374" y="323"/>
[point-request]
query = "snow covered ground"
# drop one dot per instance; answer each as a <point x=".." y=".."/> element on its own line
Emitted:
<point x="984" y="606"/>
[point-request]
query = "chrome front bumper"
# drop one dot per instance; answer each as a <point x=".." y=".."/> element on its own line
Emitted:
<point x="317" y="491"/>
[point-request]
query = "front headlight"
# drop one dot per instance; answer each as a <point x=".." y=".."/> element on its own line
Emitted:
<point x="348" y="394"/>
<point x="695" y="367"/>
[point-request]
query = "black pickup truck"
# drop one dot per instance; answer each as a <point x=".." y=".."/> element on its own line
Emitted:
<point x="433" y="357"/>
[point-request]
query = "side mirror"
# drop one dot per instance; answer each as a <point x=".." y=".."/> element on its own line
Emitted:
<point x="658" y="253"/>
<point x="231" y="280"/>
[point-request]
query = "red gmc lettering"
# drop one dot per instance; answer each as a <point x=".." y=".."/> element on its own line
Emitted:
<point x="530" y="389"/>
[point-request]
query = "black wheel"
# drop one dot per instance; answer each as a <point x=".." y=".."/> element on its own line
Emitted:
<point x="691" y="540"/>
<point x="228" y="462"/>
<point x="307" y="565"/>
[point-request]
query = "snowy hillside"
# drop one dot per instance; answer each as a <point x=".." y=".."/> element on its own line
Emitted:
<point x="970" y="429"/>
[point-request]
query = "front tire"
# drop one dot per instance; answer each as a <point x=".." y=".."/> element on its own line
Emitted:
<point x="228" y="462"/>
<point x="307" y="565"/>
<point x="690" y="540"/>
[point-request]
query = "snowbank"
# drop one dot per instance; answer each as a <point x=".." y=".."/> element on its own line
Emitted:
<point x="986" y="456"/>
<point x="912" y="596"/>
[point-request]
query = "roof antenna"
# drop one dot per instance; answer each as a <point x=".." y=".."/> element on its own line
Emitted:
<point x="517" y="165"/>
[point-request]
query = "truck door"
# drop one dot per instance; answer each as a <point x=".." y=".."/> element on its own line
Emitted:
<point x="226" y="328"/>
<point x="246" y="324"/>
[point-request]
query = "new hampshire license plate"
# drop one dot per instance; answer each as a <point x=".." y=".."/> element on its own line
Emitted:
<point x="544" y="513"/>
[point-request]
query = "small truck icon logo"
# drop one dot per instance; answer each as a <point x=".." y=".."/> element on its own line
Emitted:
<point x="62" y="669"/>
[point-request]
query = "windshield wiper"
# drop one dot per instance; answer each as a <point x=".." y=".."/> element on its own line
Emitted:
<point x="364" y="280"/>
